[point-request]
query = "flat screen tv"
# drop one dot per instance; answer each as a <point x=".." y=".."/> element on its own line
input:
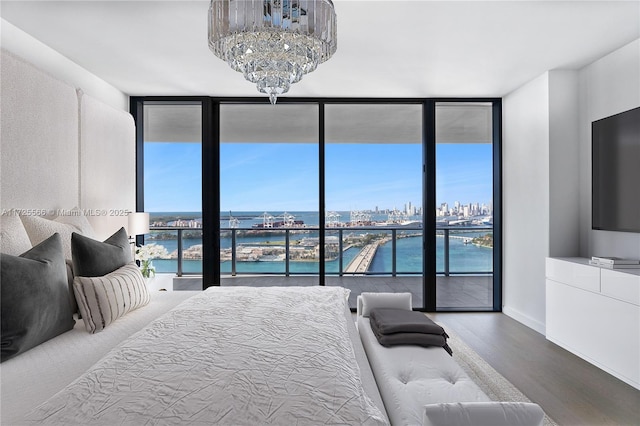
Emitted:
<point x="616" y="172"/>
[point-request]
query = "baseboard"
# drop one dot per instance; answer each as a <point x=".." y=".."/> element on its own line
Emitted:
<point x="525" y="319"/>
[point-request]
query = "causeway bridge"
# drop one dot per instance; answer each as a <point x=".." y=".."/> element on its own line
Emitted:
<point x="360" y="264"/>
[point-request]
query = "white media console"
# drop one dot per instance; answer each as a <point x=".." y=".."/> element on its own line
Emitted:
<point x="594" y="312"/>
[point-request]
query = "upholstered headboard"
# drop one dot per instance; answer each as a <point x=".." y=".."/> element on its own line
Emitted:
<point x="39" y="138"/>
<point x="62" y="149"/>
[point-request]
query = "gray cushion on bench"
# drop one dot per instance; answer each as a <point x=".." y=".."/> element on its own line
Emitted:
<point x="389" y="321"/>
<point x="400" y="327"/>
<point x="420" y="339"/>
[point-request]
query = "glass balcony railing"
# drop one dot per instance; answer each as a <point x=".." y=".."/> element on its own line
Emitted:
<point x="183" y="247"/>
<point x="349" y="251"/>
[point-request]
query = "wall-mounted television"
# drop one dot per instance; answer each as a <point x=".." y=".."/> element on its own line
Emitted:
<point x="616" y="172"/>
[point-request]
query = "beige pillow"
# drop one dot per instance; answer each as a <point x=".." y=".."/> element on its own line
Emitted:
<point x="78" y="220"/>
<point x="39" y="229"/>
<point x="102" y="300"/>
<point x="13" y="237"/>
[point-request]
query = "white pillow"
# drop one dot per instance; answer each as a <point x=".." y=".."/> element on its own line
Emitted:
<point x="13" y="237"/>
<point x="77" y="219"/>
<point x="39" y="228"/>
<point x="102" y="300"/>
<point x="483" y="414"/>
<point x="385" y="300"/>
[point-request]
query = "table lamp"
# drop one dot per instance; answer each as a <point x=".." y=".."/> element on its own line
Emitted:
<point x="138" y="224"/>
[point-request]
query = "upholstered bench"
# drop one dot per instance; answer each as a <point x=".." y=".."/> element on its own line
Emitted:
<point x="424" y="385"/>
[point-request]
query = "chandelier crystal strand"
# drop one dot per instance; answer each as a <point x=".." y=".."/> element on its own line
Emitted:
<point x="273" y="43"/>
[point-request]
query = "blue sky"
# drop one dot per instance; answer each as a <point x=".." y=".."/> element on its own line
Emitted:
<point x="284" y="177"/>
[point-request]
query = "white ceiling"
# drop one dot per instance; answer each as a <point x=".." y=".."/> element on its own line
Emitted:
<point x="385" y="48"/>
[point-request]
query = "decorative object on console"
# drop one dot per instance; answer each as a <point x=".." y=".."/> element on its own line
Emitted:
<point x="104" y="299"/>
<point x="92" y="258"/>
<point x="614" y="262"/>
<point x="145" y="254"/>
<point x="34" y="297"/>
<point x="273" y="42"/>
<point x="613" y="266"/>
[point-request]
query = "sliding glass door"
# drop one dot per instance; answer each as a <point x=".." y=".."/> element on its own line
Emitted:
<point x="464" y="205"/>
<point x="376" y="195"/>
<point x="172" y="184"/>
<point x="269" y="220"/>
<point x="373" y="197"/>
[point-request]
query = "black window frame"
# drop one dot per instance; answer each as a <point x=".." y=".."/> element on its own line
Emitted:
<point x="211" y="180"/>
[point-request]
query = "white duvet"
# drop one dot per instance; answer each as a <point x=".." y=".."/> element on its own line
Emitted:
<point x="229" y="356"/>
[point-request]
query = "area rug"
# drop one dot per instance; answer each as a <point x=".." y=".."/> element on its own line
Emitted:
<point x="492" y="383"/>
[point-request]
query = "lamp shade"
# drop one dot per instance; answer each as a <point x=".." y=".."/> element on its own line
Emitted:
<point x="138" y="223"/>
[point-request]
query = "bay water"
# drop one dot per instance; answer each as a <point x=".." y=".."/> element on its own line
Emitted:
<point x="463" y="256"/>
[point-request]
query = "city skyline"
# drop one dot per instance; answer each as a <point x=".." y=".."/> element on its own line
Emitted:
<point x="284" y="177"/>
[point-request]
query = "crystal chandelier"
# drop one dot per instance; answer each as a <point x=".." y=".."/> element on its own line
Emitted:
<point x="272" y="42"/>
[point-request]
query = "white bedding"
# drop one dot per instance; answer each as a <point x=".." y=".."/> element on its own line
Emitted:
<point x="228" y="356"/>
<point x="36" y="375"/>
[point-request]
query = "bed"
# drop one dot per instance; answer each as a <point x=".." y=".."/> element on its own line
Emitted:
<point x="229" y="342"/>
<point x="83" y="155"/>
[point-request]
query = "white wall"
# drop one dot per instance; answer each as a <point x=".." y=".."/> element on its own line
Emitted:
<point x="540" y="177"/>
<point x="42" y="56"/>
<point x="564" y="175"/>
<point x="547" y="174"/>
<point x="608" y="86"/>
<point x="525" y="192"/>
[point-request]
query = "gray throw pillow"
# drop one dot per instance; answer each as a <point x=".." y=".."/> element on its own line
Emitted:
<point x="92" y="258"/>
<point x="34" y="297"/>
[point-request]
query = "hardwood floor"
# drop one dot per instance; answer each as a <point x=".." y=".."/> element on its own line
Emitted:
<point x="569" y="389"/>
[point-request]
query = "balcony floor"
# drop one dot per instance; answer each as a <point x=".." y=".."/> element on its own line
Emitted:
<point x="453" y="292"/>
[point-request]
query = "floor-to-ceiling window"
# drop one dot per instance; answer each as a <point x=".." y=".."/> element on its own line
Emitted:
<point x="269" y="219"/>
<point x="374" y="195"/>
<point x="172" y="184"/>
<point x="464" y="205"/>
